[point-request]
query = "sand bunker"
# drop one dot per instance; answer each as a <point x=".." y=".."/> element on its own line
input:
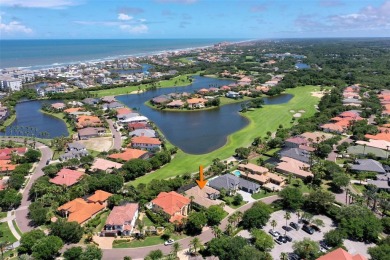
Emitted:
<point x="301" y="111"/>
<point x="297" y="115"/>
<point x="292" y="111"/>
<point x="318" y="94"/>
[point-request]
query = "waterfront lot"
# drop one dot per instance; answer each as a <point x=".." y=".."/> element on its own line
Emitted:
<point x="262" y="120"/>
<point x="299" y="235"/>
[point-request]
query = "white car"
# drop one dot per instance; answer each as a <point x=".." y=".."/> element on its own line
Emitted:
<point x="169" y="242"/>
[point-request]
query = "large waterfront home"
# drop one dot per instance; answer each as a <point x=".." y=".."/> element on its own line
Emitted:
<point x="196" y="103"/>
<point x="173" y="204"/>
<point x="74" y="150"/>
<point x="90" y="132"/>
<point x="205" y="197"/>
<point x="147" y="143"/>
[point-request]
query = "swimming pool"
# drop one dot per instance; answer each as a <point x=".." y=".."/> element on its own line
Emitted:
<point x="237" y="173"/>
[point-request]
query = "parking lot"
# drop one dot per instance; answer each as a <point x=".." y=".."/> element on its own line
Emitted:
<point x="295" y="235"/>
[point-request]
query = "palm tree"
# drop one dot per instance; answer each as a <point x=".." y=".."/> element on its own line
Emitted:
<point x="176" y="248"/>
<point x="273" y="224"/>
<point x="192" y="200"/>
<point x="283" y="256"/>
<point x="287" y="217"/>
<point x="217" y="232"/>
<point x="3" y="246"/>
<point x="196" y="244"/>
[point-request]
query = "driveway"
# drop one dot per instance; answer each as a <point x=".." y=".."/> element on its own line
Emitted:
<point x="295" y="235"/>
<point x="117" y="140"/>
<point x="246" y="196"/>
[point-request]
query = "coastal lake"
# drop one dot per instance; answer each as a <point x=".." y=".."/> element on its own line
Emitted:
<point x="195" y="132"/>
<point x="29" y="119"/>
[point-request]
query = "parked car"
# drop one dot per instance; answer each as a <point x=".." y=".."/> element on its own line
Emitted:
<point x="316" y="228"/>
<point x="294" y="225"/>
<point x="278" y="242"/>
<point x="308" y="229"/>
<point x="287" y="228"/>
<point x="323" y="250"/>
<point x="288" y="238"/>
<point x="169" y="242"/>
<point x="293" y="256"/>
<point x="274" y="233"/>
<point x="282" y="239"/>
<point x="324" y="245"/>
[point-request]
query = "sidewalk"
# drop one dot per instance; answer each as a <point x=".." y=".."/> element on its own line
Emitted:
<point x="11" y="226"/>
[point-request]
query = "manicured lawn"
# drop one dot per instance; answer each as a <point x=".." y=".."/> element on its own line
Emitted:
<point x="3" y="215"/>
<point x="17" y="227"/>
<point x="262" y="120"/>
<point x="93" y="153"/>
<point x="103" y="218"/>
<point x="8" y="121"/>
<point x="359" y="187"/>
<point x="148" y="241"/>
<point x="147" y="221"/>
<point x="263" y="194"/>
<point x="229" y="202"/>
<point x="272" y="152"/>
<point x="178" y="81"/>
<point x="7" y="235"/>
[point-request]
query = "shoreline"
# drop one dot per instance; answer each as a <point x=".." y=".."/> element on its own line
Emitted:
<point x="140" y="55"/>
<point x="61" y="117"/>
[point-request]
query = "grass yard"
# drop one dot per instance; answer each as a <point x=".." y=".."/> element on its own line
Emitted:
<point x="263" y="194"/>
<point x="262" y="120"/>
<point x="359" y="188"/>
<point x="178" y="81"/>
<point x="3" y="215"/>
<point x="17" y="227"/>
<point x="147" y="221"/>
<point x="148" y="241"/>
<point x="8" y="121"/>
<point x="7" y="235"/>
<point x="229" y="202"/>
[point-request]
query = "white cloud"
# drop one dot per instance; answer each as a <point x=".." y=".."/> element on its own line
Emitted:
<point x="51" y="4"/>
<point x="14" y="27"/>
<point x="124" y="17"/>
<point x="134" y="29"/>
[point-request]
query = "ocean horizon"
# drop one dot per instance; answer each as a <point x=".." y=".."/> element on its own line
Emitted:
<point x="38" y="54"/>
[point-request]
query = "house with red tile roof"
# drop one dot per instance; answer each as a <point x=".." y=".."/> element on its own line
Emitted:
<point x="147" y="143"/>
<point x="58" y="106"/>
<point x="297" y="168"/>
<point x="123" y="111"/>
<point x="6" y="153"/>
<point x="129" y="154"/>
<point x="295" y="142"/>
<point x="79" y="210"/>
<point x="67" y="177"/>
<point x="73" y="110"/>
<point x="137" y="125"/>
<point x="100" y="196"/>
<point x="175" y="205"/>
<point x="7" y="165"/>
<point x="332" y="128"/>
<point x="121" y="220"/>
<point x="196" y="102"/>
<point x="88" y="121"/>
<point x="105" y="165"/>
<point x="341" y="254"/>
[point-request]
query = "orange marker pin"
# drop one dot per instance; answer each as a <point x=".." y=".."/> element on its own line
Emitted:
<point x="201" y="182"/>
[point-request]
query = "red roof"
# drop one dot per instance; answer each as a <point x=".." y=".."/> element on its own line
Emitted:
<point x="5" y="154"/>
<point x="341" y="254"/>
<point x="123" y="111"/>
<point x="67" y="177"/>
<point x="145" y="140"/>
<point x="171" y="202"/>
<point x="137" y="125"/>
<point x="121" y="215"/>
<point x="128" y="154"/>
<point x="99" y="196"/>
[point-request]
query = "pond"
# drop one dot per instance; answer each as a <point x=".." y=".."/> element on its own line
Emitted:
<point x="195" y="132"/>
<point x="145" y="69"/>
<point x="30" y="121"/>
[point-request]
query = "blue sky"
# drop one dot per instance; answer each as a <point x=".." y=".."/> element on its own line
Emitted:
<point x="109" y="19"/>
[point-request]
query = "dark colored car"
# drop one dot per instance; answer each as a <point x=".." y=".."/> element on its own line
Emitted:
<point x="308" y="229"/>
<point x="324" y="245"/>
<point x="287" y="228"/>
<point x="294" y="225"/>
<point x="316" y="228"/>
<point x="282" y="239"/>
<point x="288" y="238"/>
<point x="292" y="256"/>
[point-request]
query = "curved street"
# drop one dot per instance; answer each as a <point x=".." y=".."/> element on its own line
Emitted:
<point x="117" y="138"/>
<point x="21" y="212"/>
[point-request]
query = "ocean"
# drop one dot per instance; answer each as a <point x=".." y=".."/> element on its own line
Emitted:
<point x="37" y="54"/>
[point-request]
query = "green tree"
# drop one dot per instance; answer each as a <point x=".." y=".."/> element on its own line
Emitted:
<point x="47" y="247"/>
<point x="227" y="248"/>
<point x="380" y="252"/>
<point x="32" y="156"/>
<point x="335" y="237"/>
<point x="287" y="217"/>
<point x="214" y="214"/>
<point x="92" y="253"/>
<point x="237" y="199"/>
<point x="292" y="198"/>
<point x="257" y="216"/>
<point x="73" y="253"/>
<point x="318" y="201"/>
<point x="261" y="240"/>
<point x="306" y="249"/>
<point x="340" y="180"/>
<point x="386" y="225"/>
<point x="196" y="221"/>
<point x="249" y="252"/>
<point x="38" y="213"/>
<point x="196" y="244"/>
<point x="135" y="168"/>
<point x="175" y="248"/>
<point x="273" y="224"/>
<point x="242" y="152"/>
<point x="10" y="198"/>
<point x="16" y="181"/>
<point x="28" y="240"/>
<point x="69" y="232"/>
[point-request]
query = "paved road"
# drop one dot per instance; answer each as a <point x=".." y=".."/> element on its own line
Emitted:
<point x="139" y="253"/>
<point x="21" y="213"/>
<point x="117" y="140"/>
<point x="333" y="154"/>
